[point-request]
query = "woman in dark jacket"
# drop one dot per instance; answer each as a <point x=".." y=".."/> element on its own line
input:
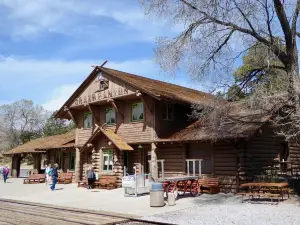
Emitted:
<point x="91" y="178"/>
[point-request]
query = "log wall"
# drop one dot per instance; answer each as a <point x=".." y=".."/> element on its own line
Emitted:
<point x="174" y="156"/>
<point x="260" y="152"/>
<point x="225" y="165"/>
<point x="132" y="132"/>
<point x="202" y="151"/>
<point x="165" y="128"/>
<point x="294" y="156"/>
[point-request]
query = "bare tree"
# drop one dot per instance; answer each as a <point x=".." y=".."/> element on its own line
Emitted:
<point x="217" y="32"/>
<point x="21" y="121"/>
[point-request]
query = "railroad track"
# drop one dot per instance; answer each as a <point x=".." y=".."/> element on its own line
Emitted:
<point x="20" y="212"/>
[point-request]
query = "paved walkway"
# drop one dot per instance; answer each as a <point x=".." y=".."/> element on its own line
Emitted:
<point x="71" y="196"/>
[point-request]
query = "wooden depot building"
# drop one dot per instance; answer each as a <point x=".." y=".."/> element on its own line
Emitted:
<point x="55" y="149"/>
<point x="126" y="120"/>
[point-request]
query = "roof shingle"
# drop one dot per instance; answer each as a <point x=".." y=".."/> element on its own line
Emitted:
<point x="44" y="143"/>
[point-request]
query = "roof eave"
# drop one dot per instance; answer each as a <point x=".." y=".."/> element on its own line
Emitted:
<point x="59" y="114"/>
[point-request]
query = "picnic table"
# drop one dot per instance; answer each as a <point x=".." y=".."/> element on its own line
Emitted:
<point x="265" y="190"/>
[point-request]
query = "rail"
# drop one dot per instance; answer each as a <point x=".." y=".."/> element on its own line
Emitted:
<point x="126" y="218"/>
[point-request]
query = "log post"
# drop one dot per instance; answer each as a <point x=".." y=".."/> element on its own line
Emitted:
<point x="15" y="167"/>
<point x="39" y="162"/>
<point x="35" y="158"/>
<point x="77" y="165"/>
<point x="154" y="167"/>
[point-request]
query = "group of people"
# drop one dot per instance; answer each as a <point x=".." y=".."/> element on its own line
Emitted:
<point x="51" y="176"/>
<point x="4" y="171"/>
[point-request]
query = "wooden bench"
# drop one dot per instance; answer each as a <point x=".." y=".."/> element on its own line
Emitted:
<point x="261" y="195"/>
<point x="209" y="185"/>
<point x="264" y="190"/>
<point x="64" y="178"/>
<point x="106" y="182"/>
<point x="35" y="179"/>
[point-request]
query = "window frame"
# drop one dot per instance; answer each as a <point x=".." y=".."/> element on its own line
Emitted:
<point x="166" y="106"/>
<point x="84" y="117"/>
<point x="110" y="159"/>
<point x="111" y="109"/>
<point x="143" y="107"/>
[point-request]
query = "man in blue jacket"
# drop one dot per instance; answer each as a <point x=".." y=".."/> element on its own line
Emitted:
<point x="54" y="177"/>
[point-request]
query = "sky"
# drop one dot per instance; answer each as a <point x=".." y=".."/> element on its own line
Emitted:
<point x="47" y="47"/>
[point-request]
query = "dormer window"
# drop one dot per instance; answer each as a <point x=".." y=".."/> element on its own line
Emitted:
<point x="110" y="116"/>
<point x="137" y="112"/>
<point x="87" y="120"/>
<point x="168" y="111"/>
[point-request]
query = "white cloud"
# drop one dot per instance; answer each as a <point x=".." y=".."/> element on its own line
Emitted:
<point x="31" y="18"/>
<point x="60" y="96"/>
<point x="52" y="82"/>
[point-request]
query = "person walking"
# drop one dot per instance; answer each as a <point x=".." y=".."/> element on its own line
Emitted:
<point x="91" y="178"/>
<point x="5" y="173"/>
<point x="47" y="172"/>
<point x="54" y="176"/>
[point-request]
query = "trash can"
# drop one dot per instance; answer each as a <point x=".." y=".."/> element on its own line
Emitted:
<point x="157" y="195"/>
<point x="171" y="199"/>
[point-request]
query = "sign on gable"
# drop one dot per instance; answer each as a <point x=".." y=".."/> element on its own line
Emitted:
<point x="101" y="89"/>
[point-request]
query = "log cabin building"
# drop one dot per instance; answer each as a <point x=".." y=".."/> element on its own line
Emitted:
<point x="55" y="149"/>
<point x="126" y="120"/>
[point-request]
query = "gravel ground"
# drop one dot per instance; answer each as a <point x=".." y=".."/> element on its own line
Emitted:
<point x="226" y="210"/>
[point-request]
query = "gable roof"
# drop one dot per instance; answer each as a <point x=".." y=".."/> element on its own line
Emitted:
<point x="160" y="89"/>
<point x="117" y="140"/>
<point x="157" y="89"/>
<point x="41" y="144"/>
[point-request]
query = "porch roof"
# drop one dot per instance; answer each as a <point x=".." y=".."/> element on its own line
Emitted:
<point x="239" y="126"/>
<point x="44" y="143"/>
<point x="117" y="140"/>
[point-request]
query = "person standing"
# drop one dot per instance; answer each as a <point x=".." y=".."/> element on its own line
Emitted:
<point x="91" y="178"/>
<point x="47" y="172"/>
<point x="5" y="173"/>
<point x="54" y="177"/>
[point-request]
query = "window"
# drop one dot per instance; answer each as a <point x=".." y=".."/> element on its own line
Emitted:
<point x="72" y="163"/>
<point x="167" y="113"/>
<point x="110" y="116"/>
<point x="87" y="120"/>
<point x="137" y="111"/>
<point x="107" y="160"/>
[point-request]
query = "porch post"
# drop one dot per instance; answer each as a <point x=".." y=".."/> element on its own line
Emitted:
<point x="154" y="167"/>
<point x="34" y="161"/>
<point x="14" y="167"/>
<point x="77" y="166"/>
<point x="39" y="162"/>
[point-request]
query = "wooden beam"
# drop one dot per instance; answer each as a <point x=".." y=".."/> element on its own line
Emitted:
<point x="104" y="63"/>
<point x="115" y="106"/>
<point x="70" y="114"/>
<point x="140" y="95"/>
<point x="93" y="113"/>
<point x="101" y="64"/>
